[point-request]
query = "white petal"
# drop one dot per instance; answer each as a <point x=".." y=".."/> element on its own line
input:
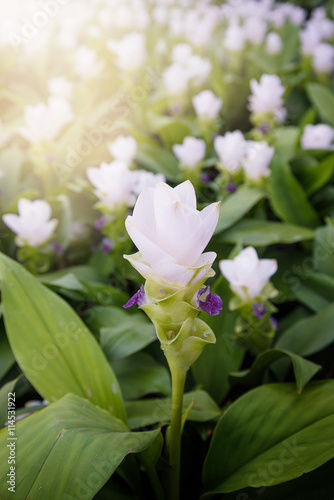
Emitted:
<point x="228" y="269"/>
<point x="143" y="213"/>
<point x="13" y="221"/>
<point x="186" y="192"/>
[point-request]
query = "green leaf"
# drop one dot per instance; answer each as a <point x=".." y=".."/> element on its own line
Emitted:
<point x="122" y="333"/>
<point x="315" y="290"/>
<point x="6" y="356"/>
<point x="237" y="205"/>
<point x="174" y="132"/>
<point x="153" y="411"/>
<point x="4" y="392"/>
<point x="271" y="435"/>
<point x="53" y="347"/>
<point x="260" y="233"/>
<point x="139" y="375"/>
<point x="324" y="250"/>
<point x="309" y="335"/>
<point x="303" y="369"/>
<point x="322" y="99"/>
<point x="153" y="158"/>
<point x="314" y="177"/>
<point x="68" y="451"/>
<point x="212" y="368"/>
<point x="288" y="199"/>
<point x="11" y="161"/>
<point x="285" y="141"/>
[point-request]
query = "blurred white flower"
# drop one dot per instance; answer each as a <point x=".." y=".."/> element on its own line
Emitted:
<point x="266" y="96"/>
<point x="255" y="29"/>
<point x="198" y="68"/>
<point x="43" y="122"/>
<point x="235" y="38"/>
<point x="207" y="105"/>
<point x="274" y="43"/>
<point x="190" y="152"/>
<point x="123" y="148"/>
<point x="323" y="58"/>
<point x="230" y="149"/>
<point x="181" y="53"/>
<point x="60" y="87"/>
<point x="256" y="160"/>
<point x="86" y="63"/>
<point x="130" y="51"/>
<point x="114" y="184"/>
<point x="146" y="179"/>
<point x="247" y="274"/>
<point x="32" y="225"/>
<point x="310" y="37"/>
<point x="175" y="79"/>
<point x="317" y="137"/>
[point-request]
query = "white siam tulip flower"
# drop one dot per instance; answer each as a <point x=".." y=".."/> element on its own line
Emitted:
<point x="317" y="137"/>
<point x="266" y="97"/>
<point x="130" y="51"/>
<point x="86" y="63"/>
<point x="32" y="225"/>
<point x="43" y="122"/>
<point x="235" y="38"/>
<point x="176" y="79"/>
<point x="181" y="53"/>
<point x="310" y="37"/>
<point x="323" y="58"/>
<point x="146" y="179"/>
<point x="256" y="160"/>
<point x="255" y="30"/>
<point x="60" y="87"/>
<point x="124" y="148"/>
<point x="171" y="234"/>
<point x="114" y="184"/>
<point x="207" y="105"/>
<point x="247" y="274"/>
<point x="230" y="149"/>
<point x="190" y="152"/>
<point x="274" y="43"/>
<point x="198" y="68"/>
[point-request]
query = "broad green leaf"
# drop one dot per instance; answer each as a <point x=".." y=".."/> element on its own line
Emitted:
<point x="153" y="411"/>
<point x="53" y="347"/>
<point x="271" y="435"/>
<point x="161" y="161"/>
<point x="285" y="141"/>
<point x="212" y="368"/>
<point x="323" y="201"/>
<point x="174" y="132"/>
<point x="4" y="392"/>
<point x="260" y="233"/>
<point x="121" y="333"/>
<point x="6" y="356"/>
<point x="237" y="205"/>
<point x="315" y="290"/>
<point x="303" y="369"/>
<point x="324" y="250"/>
<point x="309" y="335"/>
<point x="139" y="375"/>
<point x="314" y="177"/>
<point x="322" y="99"/>
<point x="67" y="451"/>
<point x="288" y="199"/>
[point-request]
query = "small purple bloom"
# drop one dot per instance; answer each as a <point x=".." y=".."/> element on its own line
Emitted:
<point x="56" y="247"/>
<point x="107" y="245"/>
<point x="139" y="298"/>
<point x="231" y="187"/>
<point x="274" y="322"/>
<point x="259" y="309"/>
<point x="205" y="177"/>
<point x="212" y="303"/>
<point x="100" y="222"/>
<point x="264" y="128"/>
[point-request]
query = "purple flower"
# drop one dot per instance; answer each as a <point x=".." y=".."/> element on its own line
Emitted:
<point x="107" y="245"/>
<point x="274" y="322"/>
<point x="205" y="177"/>
<point x="231" y="187"/>
<point x="264" y="128"/>
<point x="212" y="303"/>
<point x="56" y="247"/>
<point x="259" y="309"/>
<point x="140" y="299"/>
<point x="100" y="222"/>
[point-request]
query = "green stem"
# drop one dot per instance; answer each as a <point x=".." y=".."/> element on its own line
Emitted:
<point x="155" y="483"/>
<point x="178" y="381"/>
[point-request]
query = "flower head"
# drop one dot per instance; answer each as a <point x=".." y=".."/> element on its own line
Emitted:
<point x="230" y="149"/>
<point x="124" y="148"/>
<point x="267" y="96"/>
<point x="207" y="105"/>
<point x="32" y="225"/>
<point x="317" y="137"/>
<point x="171" y="234"/>
<point x="190" y="152"/>
<point x="247" y="274"/>
<point x="256" y="160"/>
<point x="209" y="302"/>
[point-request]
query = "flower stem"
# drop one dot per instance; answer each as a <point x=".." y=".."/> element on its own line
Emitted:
<point x="178" y="381"/>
